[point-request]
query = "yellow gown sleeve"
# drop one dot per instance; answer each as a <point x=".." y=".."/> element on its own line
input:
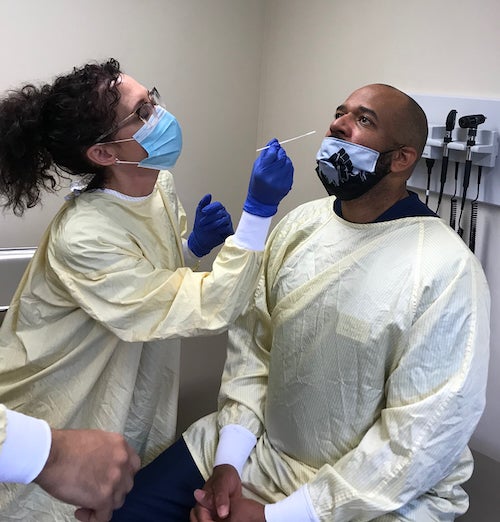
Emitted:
<point x="118" y="287"/>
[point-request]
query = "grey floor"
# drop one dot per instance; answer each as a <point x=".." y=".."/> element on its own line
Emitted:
<point x="484" y="491"/>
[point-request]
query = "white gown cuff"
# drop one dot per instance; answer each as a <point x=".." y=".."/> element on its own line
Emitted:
<point x="251" y="232"/>
<point x="235" y="445"/>
<point x="295" y="508"/>
<point x="26" y="448"/>
<point x="190" y="259"/>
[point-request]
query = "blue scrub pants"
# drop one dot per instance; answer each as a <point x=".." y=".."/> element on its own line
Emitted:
<point x="163" y="490"/>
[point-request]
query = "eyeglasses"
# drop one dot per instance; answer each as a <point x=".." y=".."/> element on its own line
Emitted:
<point x="146" y="112"/>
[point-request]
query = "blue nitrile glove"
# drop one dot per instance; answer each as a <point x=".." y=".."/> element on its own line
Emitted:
<point x="212" y="224"/>
<point x="270" y="182"/>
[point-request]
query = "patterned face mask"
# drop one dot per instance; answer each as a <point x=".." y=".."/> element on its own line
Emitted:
<point x="348" y="170"/>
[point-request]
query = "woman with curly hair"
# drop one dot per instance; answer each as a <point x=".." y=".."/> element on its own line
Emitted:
<point x="91" y="339"/>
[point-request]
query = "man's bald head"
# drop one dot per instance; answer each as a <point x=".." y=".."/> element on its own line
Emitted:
<point x="408" y="120"/>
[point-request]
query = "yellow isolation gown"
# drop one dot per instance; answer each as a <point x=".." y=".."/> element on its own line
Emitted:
<point x="91" y="339"/>
<point x="360" y="367"/>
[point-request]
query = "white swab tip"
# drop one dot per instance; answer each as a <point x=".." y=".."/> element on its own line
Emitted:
<point x="290" y="139"/>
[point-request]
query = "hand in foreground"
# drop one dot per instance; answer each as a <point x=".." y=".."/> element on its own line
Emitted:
<point x="270" y="182"/>
<point x="217" y="494"/>
<point x="242" y="510"/>
<point x="212" y="224"/>
<point x="89" y="468"/>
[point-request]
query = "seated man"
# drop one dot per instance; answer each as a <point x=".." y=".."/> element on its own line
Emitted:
<point x="356" y="378"/>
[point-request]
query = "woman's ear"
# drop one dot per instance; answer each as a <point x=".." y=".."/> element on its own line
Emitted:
<point x="101" y="155"/>
<point x="403" y="159"/>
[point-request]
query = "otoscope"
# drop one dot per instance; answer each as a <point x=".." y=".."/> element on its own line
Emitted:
<point x="470" y="123"/>
<point x="450" y="125"/>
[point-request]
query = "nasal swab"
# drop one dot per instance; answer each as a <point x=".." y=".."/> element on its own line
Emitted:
<point x="290" y="139"/>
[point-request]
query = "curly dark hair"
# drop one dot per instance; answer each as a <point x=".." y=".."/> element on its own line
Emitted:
<point x="45" y="131"/>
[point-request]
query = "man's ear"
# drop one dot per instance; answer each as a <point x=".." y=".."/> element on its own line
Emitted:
<point x="403" y="159"/>
<point x="101" y="155"/>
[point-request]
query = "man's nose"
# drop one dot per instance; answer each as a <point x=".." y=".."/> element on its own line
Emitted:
<point x="341" y="126"/>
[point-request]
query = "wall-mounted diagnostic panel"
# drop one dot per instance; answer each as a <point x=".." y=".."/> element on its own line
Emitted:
<point x="460" y="160"/>
<point x="483" y="153"/>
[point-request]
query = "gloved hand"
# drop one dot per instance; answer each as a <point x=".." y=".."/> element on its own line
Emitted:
<point x="212" y="224"/>
<point x="270" y="182"/>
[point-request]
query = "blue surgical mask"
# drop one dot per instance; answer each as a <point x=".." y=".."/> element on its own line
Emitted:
<point x="162" y="140"/>
<point x="348" y="170"/>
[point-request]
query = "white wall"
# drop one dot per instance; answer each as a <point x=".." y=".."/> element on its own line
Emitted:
<point x="317" y="52"/>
